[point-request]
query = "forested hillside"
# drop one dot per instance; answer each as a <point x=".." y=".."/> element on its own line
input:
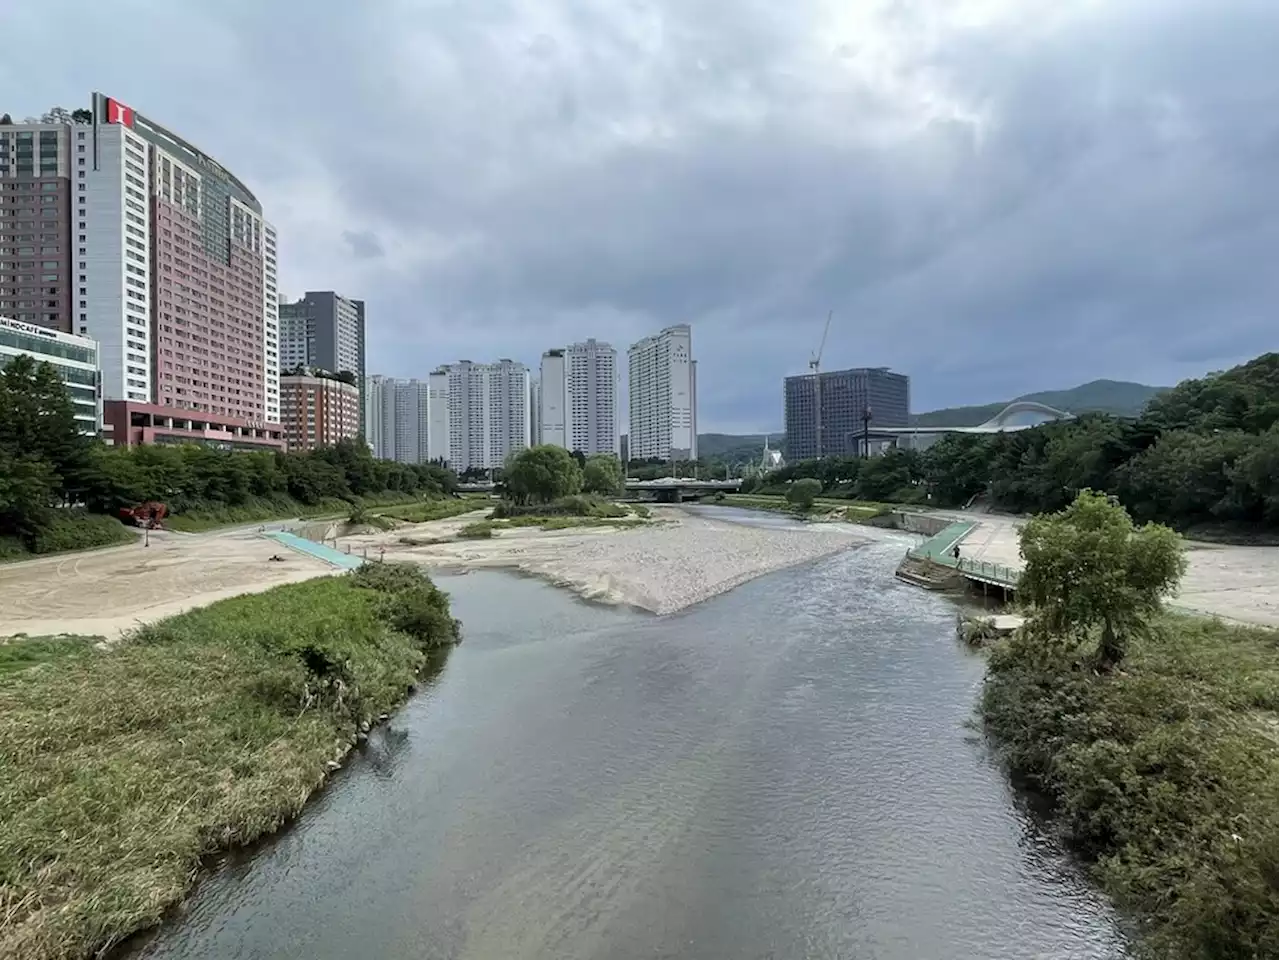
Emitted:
<point x="1201" y="456"/>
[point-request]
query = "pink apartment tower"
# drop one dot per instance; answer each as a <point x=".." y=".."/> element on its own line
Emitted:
<point x="175" y="277"/>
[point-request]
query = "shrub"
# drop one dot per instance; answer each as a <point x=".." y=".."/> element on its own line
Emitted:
<point x="580" y="505"/>
<point x="802" y="493"/>
<point x="77" y="530"/>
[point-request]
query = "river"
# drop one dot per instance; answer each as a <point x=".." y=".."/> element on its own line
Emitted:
<point x="785" y="771"/>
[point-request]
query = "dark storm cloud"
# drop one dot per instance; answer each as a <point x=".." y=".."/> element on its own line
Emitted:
<point x="995" y="197"/>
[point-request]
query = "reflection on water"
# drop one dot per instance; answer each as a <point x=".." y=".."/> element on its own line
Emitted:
<point x="783" y="772"/>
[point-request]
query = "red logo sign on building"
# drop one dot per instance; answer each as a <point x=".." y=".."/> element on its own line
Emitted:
<point x="117" y="112"/>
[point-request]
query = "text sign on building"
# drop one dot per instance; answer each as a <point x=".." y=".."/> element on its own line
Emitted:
<point x="118" y="112"/>
<point x="28" y="328"/>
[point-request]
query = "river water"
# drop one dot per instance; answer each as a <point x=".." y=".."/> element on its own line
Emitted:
<point x="786" y="771"/>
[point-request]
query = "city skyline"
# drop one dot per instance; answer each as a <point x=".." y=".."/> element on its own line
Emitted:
<point x="1094" y="186"/>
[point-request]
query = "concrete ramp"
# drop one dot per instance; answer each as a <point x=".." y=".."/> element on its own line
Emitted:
<point x="335" y="558"/>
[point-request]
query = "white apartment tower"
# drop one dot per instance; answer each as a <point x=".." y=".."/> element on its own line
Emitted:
<point x="579" y="398"/>
<point x="508" y="410"/>
<point x="488" y="412"/>
<point x="663" y="380"/>
<point x="397" y="419"/>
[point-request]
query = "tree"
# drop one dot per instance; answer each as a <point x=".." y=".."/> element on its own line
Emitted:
<point x="37" y="420"/>
<point x="1088" y="567"/>
<point x="803" y="492"/>
<point x="602" y="475"/>
<point x="541" y="474"/>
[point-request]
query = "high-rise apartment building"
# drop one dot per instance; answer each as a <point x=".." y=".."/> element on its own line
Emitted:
<point x="323" y="329"/>
<point x="852" y="402"/>
<point x="553" y="411"/>
<point x="438" y="415"/>
<point x="174" y="269"/>
<point x="663" y="396"/>
<point x="318" y="410"/>
<point x="508" y="410"/>
<point x="396" y="419"/>
<point x="579" y="398"/>
<point x="535" y="411"/>
<point x="37" y="169"/>
<point x="488" y="412"/>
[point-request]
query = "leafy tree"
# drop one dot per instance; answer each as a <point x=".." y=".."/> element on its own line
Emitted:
<point x="890" y="476"/>
<point x="541" y="474"/>
<point x="28" y="487"/>
<point x="1088" y="567"/>
<point x="37" y="420"/>
<point x="602" y="475"/>
<point x="803" y="492"/>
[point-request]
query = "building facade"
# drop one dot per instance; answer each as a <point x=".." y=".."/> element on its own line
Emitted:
<point x="174" y="281"/>
<point x="37" y="169"/>
<point x="663" y="396"/>
<point x="535" y="410"/>
<point x="488" y="414"/>
<point x="396" y="419"/>
<point x="74" y="358"/>
<point x="579" y="406"/>
<point x="323" y="329"/>
<point x="553" y="401"/>
<point x="318" y="410"/>
<point x="509" y="420"/>
<point x="852" y="401"/>
<point x="438" y="415"/>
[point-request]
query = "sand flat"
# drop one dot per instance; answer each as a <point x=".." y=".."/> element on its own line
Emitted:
<point x="677" y="561"/>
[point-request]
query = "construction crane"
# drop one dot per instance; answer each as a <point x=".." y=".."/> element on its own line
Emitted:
<point x="815" y="364"/>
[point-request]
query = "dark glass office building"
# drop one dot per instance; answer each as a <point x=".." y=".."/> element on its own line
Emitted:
<point x="853" y="401"/>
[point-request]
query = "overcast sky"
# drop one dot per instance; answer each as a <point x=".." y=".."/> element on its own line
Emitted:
<point x="993" y="196"/>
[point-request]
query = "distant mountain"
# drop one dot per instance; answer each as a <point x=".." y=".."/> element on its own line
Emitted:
<point x="1119" y="398"/>
<point x="734" y="447"/>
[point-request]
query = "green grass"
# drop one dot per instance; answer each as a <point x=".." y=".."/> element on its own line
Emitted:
<point x="853" y="511"/>
<point x="428" y="510"/>
<point x="68" y="531"/>
<point x="568" y="523"/>
<point x="1163" y="774"/>
<point x="21" y="652"/>
<point x="262" y="509"/>
<point x="123" y="768"/>
<point x="579" y="505"/>
<point x="480" y="530"/>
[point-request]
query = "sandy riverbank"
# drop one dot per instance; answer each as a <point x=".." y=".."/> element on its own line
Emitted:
<point x="1236" y="583"/>
<point x="677" y="561"/>
<point x="674" y="563"/>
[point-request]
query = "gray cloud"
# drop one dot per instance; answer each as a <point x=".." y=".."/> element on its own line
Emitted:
<point x="364" y="244"/>
<point x="994" y="196"/>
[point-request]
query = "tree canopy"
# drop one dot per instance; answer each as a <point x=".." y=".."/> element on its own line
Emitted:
<point x="1088" y="567"/>
<point x="541" y="474"/>
<point x="45" y="463"/>
<point x="1203" y="454"/>
<point x="803" y="492"/>
<point x="602" y="475"/>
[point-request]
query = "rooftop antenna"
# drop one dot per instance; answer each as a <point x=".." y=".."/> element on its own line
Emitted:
<point x="815" y="364"/>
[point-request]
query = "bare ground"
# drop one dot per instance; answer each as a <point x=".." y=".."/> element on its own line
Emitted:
<point x="677" y="561"/>
<point x="1235" y="583"/>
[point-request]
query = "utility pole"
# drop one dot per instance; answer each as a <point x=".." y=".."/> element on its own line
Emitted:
<point x="815" y="364"/>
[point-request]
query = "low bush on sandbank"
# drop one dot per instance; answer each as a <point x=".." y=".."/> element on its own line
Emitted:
<point x="123" y="768"/>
